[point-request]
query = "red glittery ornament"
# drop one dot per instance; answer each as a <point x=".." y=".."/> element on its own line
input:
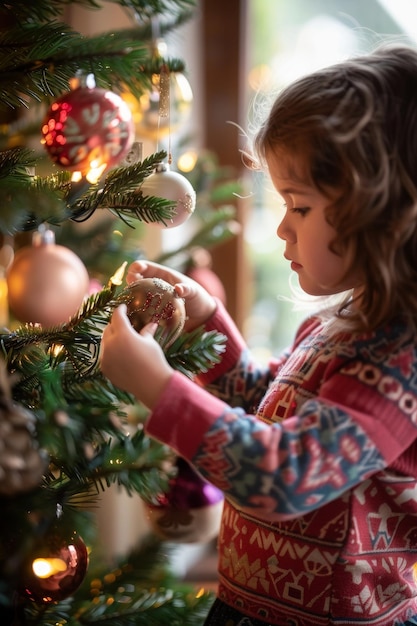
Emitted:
<point x="88" y="128"/>
<point x="155" y="300"/>
<point x="55" y="568"/>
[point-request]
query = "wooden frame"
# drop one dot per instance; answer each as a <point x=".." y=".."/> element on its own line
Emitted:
<point x="223" y="26"/>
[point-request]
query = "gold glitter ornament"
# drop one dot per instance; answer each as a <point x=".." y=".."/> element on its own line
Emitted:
<point x="155" y="300"/>
<point x="152" y="118"/>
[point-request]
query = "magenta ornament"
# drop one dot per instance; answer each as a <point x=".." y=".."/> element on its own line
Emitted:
<point x="190" y="511"/>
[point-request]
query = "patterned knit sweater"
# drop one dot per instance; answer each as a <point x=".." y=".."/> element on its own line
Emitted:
<point x="317" y="457"/>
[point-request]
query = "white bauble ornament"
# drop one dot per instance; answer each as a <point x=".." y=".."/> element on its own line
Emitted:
<point x="164" y="183"/>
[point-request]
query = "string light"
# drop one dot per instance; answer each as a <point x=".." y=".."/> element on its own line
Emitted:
<point x="117" y="277"/>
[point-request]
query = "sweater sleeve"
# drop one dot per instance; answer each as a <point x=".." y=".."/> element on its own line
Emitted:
<point x="183" y="416"/>
<point x="337" y="437"/>
<point x="281" y="470"/>
<point x="223" y="323"/>
<point x="237" y="379"/>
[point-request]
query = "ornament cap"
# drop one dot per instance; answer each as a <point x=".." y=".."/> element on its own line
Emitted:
<point x="160" y="48"/>
<point x="162" y="167"/>
<point x="81" y="79"/>
<point x="43" y="236"/>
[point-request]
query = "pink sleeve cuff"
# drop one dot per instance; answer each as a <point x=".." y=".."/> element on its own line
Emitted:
<point x="183" y="415"/>
<point x="223" y="323"/>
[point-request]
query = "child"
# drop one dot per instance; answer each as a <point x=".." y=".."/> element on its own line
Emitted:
<point x="316" y="454"/>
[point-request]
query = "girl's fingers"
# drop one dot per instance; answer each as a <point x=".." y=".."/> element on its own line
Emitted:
<point x="183" y="290"/>
<point x="149" y="329"/>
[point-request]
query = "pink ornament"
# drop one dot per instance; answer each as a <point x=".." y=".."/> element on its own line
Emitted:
<point x="94" y="286"/>
<point x="47" y="283"/>
<point x="205" y="277"/>
<point x="164" y="183"/>
<point x="88" y="128"/>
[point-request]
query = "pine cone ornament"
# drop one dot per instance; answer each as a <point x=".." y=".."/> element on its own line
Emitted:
<point x="21" y="462"/>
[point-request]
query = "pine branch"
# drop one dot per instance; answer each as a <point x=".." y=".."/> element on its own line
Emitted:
<point x="112" y="59"/>
<point x="135" y="463"/>
<point x="42" y="10"/>
<point x="26" y="201"/>
<point x="121" y="194"/>
<point x="47" y="615"/>
<point x="155" y="598"/>
<point x="33" y="353"/>
<point x="149" y="562"/>
<point x="148" y="209"/>
<point x="129" y="178"/>
<point x="14" y="164"/>
<point x="196" y="352"/>
<point x="25" y="208"/>
<point x="37" y="61"/>
<point x="29" y="201"/>
<point x="144" y="607"/>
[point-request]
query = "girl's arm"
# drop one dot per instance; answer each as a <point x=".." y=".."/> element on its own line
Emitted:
<point x="283" y="470"/>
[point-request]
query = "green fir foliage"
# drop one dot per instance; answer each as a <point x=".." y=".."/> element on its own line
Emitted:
<point x="88" y="433"/>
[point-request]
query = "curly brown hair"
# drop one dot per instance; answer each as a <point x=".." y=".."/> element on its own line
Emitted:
<point x="355" y="124"/>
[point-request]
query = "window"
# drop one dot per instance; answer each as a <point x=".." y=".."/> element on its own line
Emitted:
<point x="286" y="40"/>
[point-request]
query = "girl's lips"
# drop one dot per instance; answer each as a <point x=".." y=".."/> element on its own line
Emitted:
<point x="294" y="266"/>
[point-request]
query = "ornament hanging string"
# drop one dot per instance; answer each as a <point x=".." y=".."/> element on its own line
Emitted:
<point x="164" y="109"/>
<point x="165" y="102"/>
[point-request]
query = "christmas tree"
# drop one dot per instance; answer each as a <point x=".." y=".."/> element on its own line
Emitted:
<point x="63" y="435"/>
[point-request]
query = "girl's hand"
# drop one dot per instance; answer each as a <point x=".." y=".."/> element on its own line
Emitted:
<point x="199" y="304"/>
<point x="134" y="361"/>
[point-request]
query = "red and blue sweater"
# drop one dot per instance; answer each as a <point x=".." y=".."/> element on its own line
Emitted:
<point x="317" y="457"/>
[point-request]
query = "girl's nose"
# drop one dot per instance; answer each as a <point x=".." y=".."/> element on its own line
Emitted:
<point x="284" y="231"/>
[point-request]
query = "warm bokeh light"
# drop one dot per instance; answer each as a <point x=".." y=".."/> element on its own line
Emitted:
<point x="43" y="568"/>
<point x="187" y="161"/>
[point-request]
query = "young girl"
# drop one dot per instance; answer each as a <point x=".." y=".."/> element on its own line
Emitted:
<point x="316" y="454"/>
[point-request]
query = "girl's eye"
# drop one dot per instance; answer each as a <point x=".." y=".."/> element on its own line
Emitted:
<point x="302" y="210"/>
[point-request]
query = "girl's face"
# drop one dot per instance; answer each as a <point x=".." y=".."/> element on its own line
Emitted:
<point x="306" y="232"/>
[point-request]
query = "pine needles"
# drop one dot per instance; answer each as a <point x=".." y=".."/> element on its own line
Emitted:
<point x="38" y="58"/>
